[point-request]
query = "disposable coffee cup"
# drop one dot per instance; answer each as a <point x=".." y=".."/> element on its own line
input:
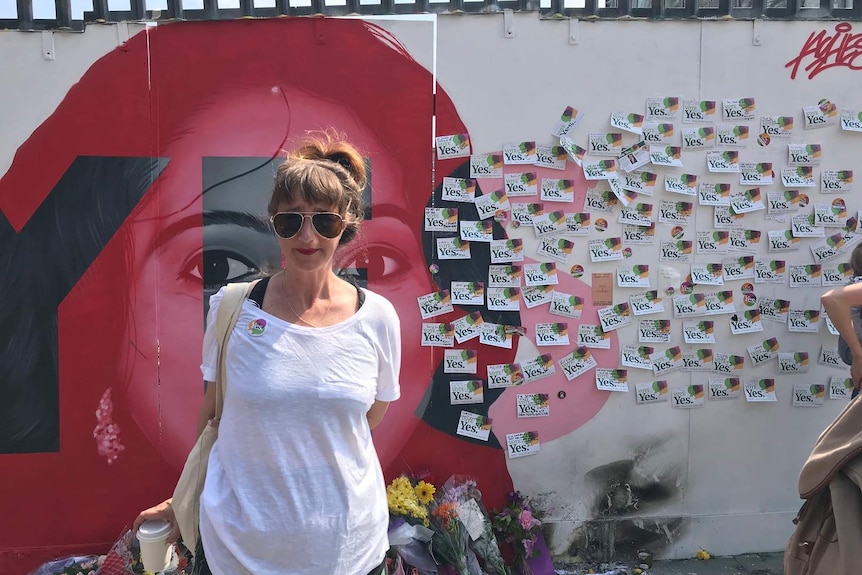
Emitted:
<point x="155" y="551"/>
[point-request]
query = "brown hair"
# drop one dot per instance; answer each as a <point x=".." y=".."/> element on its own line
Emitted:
<point x="856" y="260"/>
<point x="324" y="170"/>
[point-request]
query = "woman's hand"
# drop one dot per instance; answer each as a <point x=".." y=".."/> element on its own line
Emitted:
<point x="856" y="371"/>
<point x="161" y="511"/>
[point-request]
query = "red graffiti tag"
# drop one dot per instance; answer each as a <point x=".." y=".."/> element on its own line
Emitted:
<point x="842" y="49"/>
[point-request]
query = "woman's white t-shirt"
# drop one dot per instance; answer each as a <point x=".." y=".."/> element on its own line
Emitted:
<point x="294" y="485"/>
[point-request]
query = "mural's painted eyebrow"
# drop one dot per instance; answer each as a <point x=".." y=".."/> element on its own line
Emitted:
<point x="243" y="219"/>
<point x="390" y="211"/>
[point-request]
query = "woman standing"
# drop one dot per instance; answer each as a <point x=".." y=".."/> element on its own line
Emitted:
<point x="294" y="484"/>
<point x="843" y="305"/>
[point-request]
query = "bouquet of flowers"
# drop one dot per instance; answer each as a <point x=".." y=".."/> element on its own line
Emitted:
<point x="449" y="543"/>
<point x="518" y="525"/>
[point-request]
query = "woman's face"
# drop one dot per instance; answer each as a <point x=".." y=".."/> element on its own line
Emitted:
<point x="235" y="173"/>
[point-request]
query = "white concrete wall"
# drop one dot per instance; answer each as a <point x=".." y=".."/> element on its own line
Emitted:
<point x="732" y="466"/>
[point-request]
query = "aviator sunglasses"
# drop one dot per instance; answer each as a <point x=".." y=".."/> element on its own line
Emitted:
<point x="288" y="224"/>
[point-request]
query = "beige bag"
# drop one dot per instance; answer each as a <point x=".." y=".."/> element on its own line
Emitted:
<point x="187" y="493"/>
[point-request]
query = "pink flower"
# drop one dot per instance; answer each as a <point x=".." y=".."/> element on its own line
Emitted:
<point x="528" y="546"/>
<point x="526" y="519"/>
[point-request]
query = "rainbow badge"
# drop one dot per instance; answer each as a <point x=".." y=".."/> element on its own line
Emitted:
<point x="724" y="387"/>
<point x="474" y="425"/>
<point x="453" y="146"/>
<point x="651" y="392"/>
<point x="522" y="444"/>
<point x="808" y="394"/>
<point x="577" y="363"/>
<point x="760" y="390"/>
<point x="612" y="379"/>
<point x="466" y="392"/>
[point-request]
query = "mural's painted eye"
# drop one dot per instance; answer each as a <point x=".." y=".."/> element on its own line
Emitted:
<point x="384" y="263"/>
<point x="218" y="268"/>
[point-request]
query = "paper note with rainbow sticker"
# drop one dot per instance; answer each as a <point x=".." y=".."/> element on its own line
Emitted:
<point x="651" y="392"/>
<point x="441" y="219"/>
<point x="667" y="360"/>
<point x="522" y="444"/>
<point x="612" y="379"/>
<point x="489" y="205"/>
<point x="760" y="390"/>
<point x="607" y="249"/>
<point x="438" y="334"/>
<point x="824" y="114"/>
<point x="566" y="305"/>
<point x="798" y="176"/>
<point x="784" y="201"/>
<point x="747" y="321"/>
<point x="806" y="275"/>
<point x="685" y="184"/>
<point x="792" y="362"/>
<point x="532" y="405"/>
<point x="576" y="363"/>
<point x="756" y="174"/>
<point x="658" y="133"/>
<point x="804" y="154"/>
<point x="503" y="298"/>
<point x="836" y="274"/>
<point x="699" y="111"/>
<point x="636" y="275"/>
<point x="476" y="231"/>
<point x="453" y="249"/>
<point x="466" y="391"/>
<point x="713" y="194"/>
<point x="640" y="181"/>
<point x="467" y="293"/>
<point x="764" y="351"/>
<point x="727" y="364"/>
<point x="829" y="248"/>
<point x="630" y="122"/>
<point x="519" y="153"/>
<point x="836" y="181"/>
<point x="539" y="367"/>
<point x="676" y="250"/>
<point x="503" y="375"/>
<point x="733" y="136"/>
<point x="687" y="397"/>
<point x="507" y="251"/>
<point x="453" y="146"/>
<point x="486" y="165"/>
<point x="541" y="274"/>
<point x="666" y="155"/>
<point x="741" y="109"/>
<point x="738" y="268"/>
<point x="592" y="336"/>
<point x="558" y="249"/>
<point x="566" y="121"/>
<point x="553" y="157"/>
<point x="776" y="126"/>
<point x="698" y="138"/>
<point x="722" y="161"/>
<point x="615" y="316"/>
<point x="575" y="152"/>
<point x="474" y="425"/>
<point x="772" y="271"/>
<point x="724" y="388"/>
<point x="557" y="190"/>
<point x="548" y="334"/>
<point x="840" y="387"/>
<point x="808" y="394"/>
<point x="468" y="326"/>
<point x="460" y="361"/>
<point x="697" y="359"/>
<point x="605" y="144"/>
<point x="435" y="303"/>
<point x="698" y="331"/>
<point x="851" y="120"/>
<point x="459" y="190"/>
<point x="521" y="184"/>
<point x="600" y="169"/>
<point x="661" y="108"/>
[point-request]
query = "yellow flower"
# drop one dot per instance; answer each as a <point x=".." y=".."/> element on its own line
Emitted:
<point x="425" y="492"/>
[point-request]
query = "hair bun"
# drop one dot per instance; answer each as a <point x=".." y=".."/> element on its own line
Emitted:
<point x="337" y="150"/>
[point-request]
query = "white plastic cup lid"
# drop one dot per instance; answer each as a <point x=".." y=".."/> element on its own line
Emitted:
<point x="154" y="530"/>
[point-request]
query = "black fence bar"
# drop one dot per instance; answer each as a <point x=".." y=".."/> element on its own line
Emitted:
<point x="825" y="10"/>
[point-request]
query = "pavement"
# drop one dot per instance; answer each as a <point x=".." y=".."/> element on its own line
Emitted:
<point x="751" y="564"/>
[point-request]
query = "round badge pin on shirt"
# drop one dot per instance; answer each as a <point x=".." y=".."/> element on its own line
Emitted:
<point x="256" y="327"/>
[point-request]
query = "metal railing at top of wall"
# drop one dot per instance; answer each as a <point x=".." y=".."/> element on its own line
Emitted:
<point x="69" y="15"/>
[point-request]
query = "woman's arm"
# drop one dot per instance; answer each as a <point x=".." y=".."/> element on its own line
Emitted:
<point x="376" y="413"/>
<point x="837" y="303"/>
<point x="208" y="407"/>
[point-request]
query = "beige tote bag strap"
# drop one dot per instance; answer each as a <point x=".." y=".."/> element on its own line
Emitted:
<point x="228" y="312"/>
